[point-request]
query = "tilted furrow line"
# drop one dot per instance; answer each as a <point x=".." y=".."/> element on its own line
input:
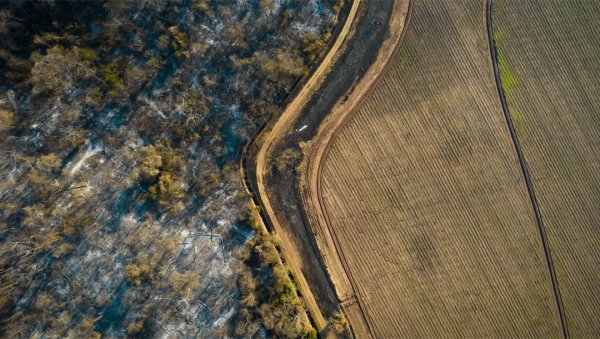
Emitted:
<point x="526" y="175"/>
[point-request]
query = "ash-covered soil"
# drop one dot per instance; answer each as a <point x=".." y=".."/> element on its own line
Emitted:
<point x="121" y="127"/>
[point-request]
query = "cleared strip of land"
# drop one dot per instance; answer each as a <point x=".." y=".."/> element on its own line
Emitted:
<point x="326" y="240"/>
<point x="424" y="195"/>
<point x="266" y="139"/>
<point x="326" y="79"/>
<point x="548" y="55"/>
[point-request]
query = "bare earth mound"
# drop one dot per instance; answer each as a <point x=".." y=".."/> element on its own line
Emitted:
<point x="426" y="198"/>
<point x="549" y="68"/>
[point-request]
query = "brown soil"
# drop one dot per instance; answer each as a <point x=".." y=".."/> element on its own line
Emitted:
<point x="341" y="276"/>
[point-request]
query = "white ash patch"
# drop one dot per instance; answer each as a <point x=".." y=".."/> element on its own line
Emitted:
<point x="88" y="153"/>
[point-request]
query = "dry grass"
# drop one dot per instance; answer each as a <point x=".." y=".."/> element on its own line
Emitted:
<point x="426" y="197"/>
<point x="551" y="51"/>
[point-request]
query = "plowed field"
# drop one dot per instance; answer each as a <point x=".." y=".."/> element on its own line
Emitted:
<point x="549" y="69"/>
<point x="426" y="197"/>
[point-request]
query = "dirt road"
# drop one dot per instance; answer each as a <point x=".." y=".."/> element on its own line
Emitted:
<point x="263" y="161"/>
<point x="359" y="53"/>
<point x="346" y="289"/>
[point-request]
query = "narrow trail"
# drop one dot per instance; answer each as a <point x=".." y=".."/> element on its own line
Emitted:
<point x="347" y="289"/>
<point x="266" y="139"/>
<point x="525" y="170"/>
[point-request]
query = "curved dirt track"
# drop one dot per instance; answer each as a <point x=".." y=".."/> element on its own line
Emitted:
<point x="267" y="138"/>
<point x="336" y="264"/>
<point x="278" y="131"/>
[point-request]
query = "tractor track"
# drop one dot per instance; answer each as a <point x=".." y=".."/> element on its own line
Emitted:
<point x="525" y="170"/>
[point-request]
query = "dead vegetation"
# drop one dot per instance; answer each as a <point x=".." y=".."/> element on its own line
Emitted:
<point x="121" y="128"/>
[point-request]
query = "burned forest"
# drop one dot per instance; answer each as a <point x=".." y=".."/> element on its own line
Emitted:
<point x="122" y="124"/>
